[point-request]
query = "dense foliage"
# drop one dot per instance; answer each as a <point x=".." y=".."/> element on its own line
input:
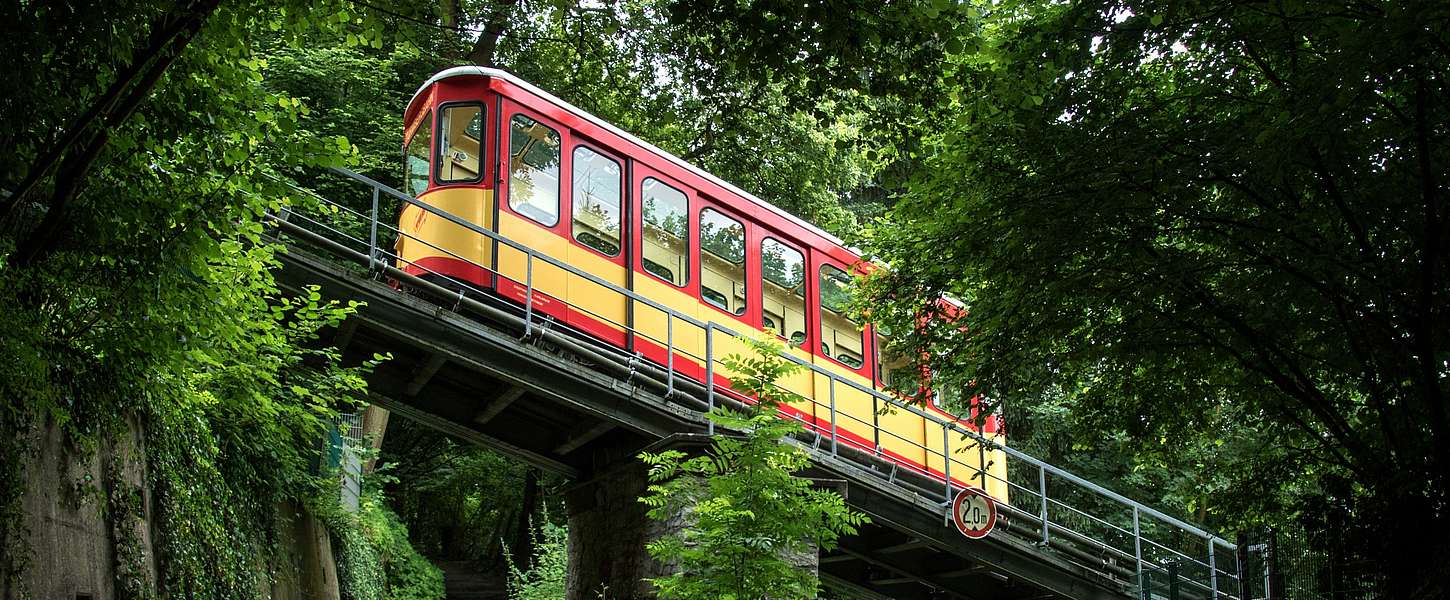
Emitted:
<point x="745" y="517"/>
<point x="375" y="561"/>
<point x="137" y="285"/>
<point x="1216" y="232"/>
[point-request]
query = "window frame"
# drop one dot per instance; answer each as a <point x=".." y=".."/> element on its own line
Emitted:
<point x="689" y="250"/>
<point x="507" y="159"/>
<point x="438" y="142"/>
<point x="744" y="263"/>
<point x="623" y="199"/>
<point x="821" y="322"/>
<point x="429" y="123"/>
<point x="805" y="290"/>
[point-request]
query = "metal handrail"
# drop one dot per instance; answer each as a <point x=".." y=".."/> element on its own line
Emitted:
<point x="710" y="328"/>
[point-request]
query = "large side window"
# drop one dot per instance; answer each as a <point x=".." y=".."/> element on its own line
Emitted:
<point x="722" y="261"/>
<point x="460" y="135"/>
<point x="596" y="200"/>
<point x="534" y="170"/>
<point x="665" y="232"/>
<point x="784" y="291"/>
<point x="415" y="159"/>
<point x="840" y="335"/>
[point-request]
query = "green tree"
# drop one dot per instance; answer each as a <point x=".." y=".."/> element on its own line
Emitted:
<point x="746" y="513"/>
<point x="1207" y="223"/>
<point x="137" y="281"/>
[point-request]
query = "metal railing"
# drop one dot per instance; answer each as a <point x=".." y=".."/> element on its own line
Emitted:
<point x="1048" y="506"/>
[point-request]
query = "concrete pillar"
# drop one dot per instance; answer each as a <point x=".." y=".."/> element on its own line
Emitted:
<point x="374" y="425"/>
<point x="608" y="530"/>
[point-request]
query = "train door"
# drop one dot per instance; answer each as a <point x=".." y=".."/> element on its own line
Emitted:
<point x="597" y="213"/>
<point x="784" y="310"/>
<point x="663" y="235"/>
<point x="725" y="279"/>
<point x="842" y="348"/>
<point x="452" y="179"/>
<point x="532" y="206"/>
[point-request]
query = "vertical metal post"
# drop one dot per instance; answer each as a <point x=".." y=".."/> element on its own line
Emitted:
<point x="833" y="415"/>
<point x="946" y="454"/>
<point x="373" y="232"/>
<point x="1042" y="497"/>
<point x="1173" y="580"/>
<point x="1212" y="571"/>
<point x="710" y="374"/>
<point x="982" y="459"/>
<point x="1239" y="556"/>
<point x="1137" y="547"/>
<point x="669" y="354"/>
<point x="876" y="421"/>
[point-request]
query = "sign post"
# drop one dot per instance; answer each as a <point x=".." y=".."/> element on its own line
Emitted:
<point x="974" y="513"/>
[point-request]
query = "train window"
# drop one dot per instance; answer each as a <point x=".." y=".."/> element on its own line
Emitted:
<point x="596" y="200"/>
<point x="893" y="369"/>
<point x="665" y="234"/>
<point x="534" y="170"/>
<point x="840" y="334"/>
<point x="722" y="261"/>
<point x="784" y="293"/>
<point x="460" y="131"/>
<point x="415" y="159"/>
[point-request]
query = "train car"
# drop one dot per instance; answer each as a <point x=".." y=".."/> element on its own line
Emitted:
<point x="485" y="146"/>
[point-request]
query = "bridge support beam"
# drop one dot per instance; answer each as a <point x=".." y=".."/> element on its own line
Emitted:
<point x="608" y="530"/>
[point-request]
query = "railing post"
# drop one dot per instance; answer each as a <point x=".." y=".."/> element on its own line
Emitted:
<point x="1212" y="571"/>
<point x="669" y="354"/>
<point x="833" y="415"/>
<point x="710" y="374"/>
<point x="875" y="422"/>
<point x="373" y="233"/>
<point x="1137" y="548"/>
<point x="981" y="458"/>
<point x="529" y="293"/>
<point x="946" y="455"/>
<point x="1042" y="497"/>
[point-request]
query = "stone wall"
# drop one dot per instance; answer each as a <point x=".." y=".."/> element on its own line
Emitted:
<point x="73" y="552"/>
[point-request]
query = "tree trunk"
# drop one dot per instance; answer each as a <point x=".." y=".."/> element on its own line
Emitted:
<point x="494" y="26"/>
<point x="523" y="543"/>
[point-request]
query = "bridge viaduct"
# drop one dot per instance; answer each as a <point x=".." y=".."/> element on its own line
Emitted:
<point x="505" y="381"/>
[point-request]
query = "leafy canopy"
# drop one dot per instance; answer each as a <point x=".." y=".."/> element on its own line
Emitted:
<point x="1207" y="223"/>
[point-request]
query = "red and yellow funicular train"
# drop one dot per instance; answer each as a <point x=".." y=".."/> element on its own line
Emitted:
<point x="485" y="146"/>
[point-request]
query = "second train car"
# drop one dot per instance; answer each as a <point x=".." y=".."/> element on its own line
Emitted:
<point x="499" y="152"/>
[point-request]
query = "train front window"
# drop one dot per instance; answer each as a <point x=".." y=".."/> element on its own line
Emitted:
<point x="534" y="170"/>
<point x="460" y="131"/>
<point x="840" y="334"/>
<point x="722" y="261"/>
<point x="596" y="201"/>
<point x="784" y="292"/>
<point x="665" y="234"/>
<point x="415" y="158"/>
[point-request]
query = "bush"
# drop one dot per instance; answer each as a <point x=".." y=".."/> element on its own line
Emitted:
<point x="545" y="580"/>
<point x="375" y="560"/>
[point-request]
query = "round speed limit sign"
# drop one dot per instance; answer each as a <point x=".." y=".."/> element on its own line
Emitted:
<point x="974" y="512"/>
